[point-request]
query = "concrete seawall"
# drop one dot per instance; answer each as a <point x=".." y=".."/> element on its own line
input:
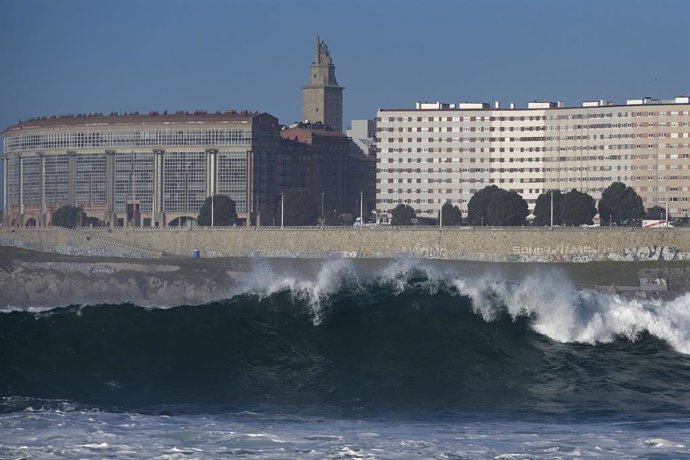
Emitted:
<point x="518" y="244"/>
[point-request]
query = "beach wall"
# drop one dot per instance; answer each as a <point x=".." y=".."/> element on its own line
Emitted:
<point x="513" y="244"/>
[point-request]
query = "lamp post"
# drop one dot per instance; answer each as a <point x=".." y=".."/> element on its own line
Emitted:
<point x="666" y="210"/>
<point x="256" y="209"/>
<point x="552" y="207"/>
<point x="440" y="215"/>
<point x="212" y="209"/>
<point x="282" y="208"/>
<point x="322" y="205"/>
<point x="361" y="207"/>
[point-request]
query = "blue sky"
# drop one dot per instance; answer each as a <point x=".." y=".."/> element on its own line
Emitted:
<point x="77" y="56"/>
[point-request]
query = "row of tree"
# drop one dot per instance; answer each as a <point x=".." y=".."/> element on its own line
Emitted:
<point x="299" y="208"/>
<point x="492" y="206"/>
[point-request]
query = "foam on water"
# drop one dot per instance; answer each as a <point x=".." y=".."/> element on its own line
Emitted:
<point x="332" y="276"/>
<point x="558" y="309"/>
<point x="96" y="434"/>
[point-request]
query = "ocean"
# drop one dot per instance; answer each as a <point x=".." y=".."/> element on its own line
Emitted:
<point x="412" y="359"/>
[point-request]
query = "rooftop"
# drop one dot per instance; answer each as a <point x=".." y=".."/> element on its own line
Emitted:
<point x="95" y="119"/>
<point x="538" y="105"/>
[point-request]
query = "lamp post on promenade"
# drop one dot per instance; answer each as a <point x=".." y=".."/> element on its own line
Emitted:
<point x="666" y="210"/>
<point x="322" y="205"/>
<point x="440" y="215"/>
<point x="282" y="208"/>
<point x="361" y="207"/>
<point x="212" y="209"/>
<point x="552" y="207"/>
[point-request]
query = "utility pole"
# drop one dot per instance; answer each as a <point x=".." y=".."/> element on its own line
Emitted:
<point x="282" y="208"/>
<point x="361" y="207"/>
<point x="322" y="205"/>
<point x="666" y="210"/>
<point x="552" y="207"/>
<point x="212" y="209"/>
<point x="440" y="215"/>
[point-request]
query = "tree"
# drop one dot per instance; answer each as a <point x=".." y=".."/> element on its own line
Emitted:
<point x="578" y="208"/>
<point x="450" y="215"/>
<point x="496" y="206"/>
<point x="299" y="208"/>
<point x="542" y="209"/>
<point x="657" y="213"/>
<point x="620" y="204"/>
<point x="68" y="216"/>
<point x="507" y="209"/>
<point x="402" y="214"/>
<point x="478" y="205"/>
<point x="224" y="211"/>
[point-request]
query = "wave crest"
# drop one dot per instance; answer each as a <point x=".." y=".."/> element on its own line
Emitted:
<point x="555" y="306"/>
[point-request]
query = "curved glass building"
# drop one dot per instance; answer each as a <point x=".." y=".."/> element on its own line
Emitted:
<point x="139" y="170"/>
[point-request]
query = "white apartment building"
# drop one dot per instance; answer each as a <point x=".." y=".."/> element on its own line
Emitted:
<point x="438" y="152"/>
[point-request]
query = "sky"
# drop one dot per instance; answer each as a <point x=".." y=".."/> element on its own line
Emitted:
<point x="85" y="56"/>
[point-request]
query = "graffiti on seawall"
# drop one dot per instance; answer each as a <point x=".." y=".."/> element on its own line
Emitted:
<point x="647" y="253"/>
<point x="665" y="253"/>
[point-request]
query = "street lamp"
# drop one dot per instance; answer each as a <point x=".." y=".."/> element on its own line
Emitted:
<point x="440" y="215"/>
<point x="212" y="206"/>
<point x="282" y="208"/>
<point x="322" y="205"/>
<point x="361" y="207"/>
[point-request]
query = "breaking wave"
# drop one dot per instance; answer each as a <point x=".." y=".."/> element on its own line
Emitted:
<point x="409" y="334"/>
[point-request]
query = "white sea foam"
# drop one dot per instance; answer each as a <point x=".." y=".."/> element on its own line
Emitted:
<point x="279" y="437"/>
<point x="332" y="276"/>
<point x="558" y="309"/>
<point x="566" y="314"/>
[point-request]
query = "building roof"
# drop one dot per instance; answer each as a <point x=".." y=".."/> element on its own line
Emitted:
<point x="535" y="105"/>
<point x="302" y="132"/>
<point x="135" y="118"/>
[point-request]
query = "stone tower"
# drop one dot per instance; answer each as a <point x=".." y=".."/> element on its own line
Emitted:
<point x="322" y="97"/>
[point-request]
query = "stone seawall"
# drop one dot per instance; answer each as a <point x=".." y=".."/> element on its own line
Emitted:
<point x="520" y="244"/>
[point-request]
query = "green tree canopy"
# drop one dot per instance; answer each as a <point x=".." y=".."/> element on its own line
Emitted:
<point x="542" y="209"/>
<point x="224" y="211"/>
<point x="578" y="208"/>
<point x="451" y="215"/>
<point x="620" y="204"/>
<point x="402" y="214"/>
<point x="496" y="206"/>
<point x="68" y="216"/>
<point x="657" y="213"/>
<point x="300" y="208"/>
<point x="479" y="204"/>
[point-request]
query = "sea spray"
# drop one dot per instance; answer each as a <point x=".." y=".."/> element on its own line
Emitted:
<point x="555" y="306"/>
<point x="332" y="276"/>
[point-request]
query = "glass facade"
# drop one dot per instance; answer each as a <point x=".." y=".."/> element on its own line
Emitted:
<point x="89" y="181"/>
<point x="133" y="181"/>
<point x="56" y="180"/>
<point x="232" y="177"/>
<point x="12" y="187"/>
<point x="184" y="181"/>
<point x="124" y="175"/>
<point x="31" y="187"/>
<point x="159" y="138"/>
